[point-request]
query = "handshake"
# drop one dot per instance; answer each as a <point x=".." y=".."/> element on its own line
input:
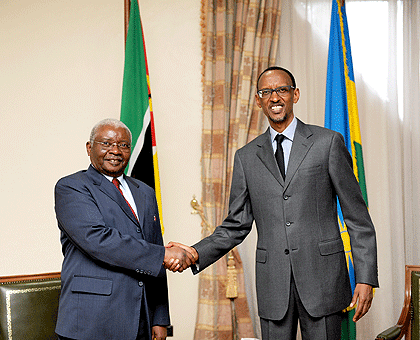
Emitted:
<point x="179" y="257"/>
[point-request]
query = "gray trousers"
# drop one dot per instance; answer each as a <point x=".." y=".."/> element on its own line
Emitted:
<point x="322" y="328"/>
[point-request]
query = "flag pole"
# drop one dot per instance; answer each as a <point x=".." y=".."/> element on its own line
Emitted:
<point x="126" y="18"/>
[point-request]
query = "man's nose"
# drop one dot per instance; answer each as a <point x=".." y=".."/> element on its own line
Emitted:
<point x="274" y="97"/>
<point x="115" y="149"/>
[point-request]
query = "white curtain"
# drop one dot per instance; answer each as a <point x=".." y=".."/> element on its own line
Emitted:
<point x="384" y="38"/>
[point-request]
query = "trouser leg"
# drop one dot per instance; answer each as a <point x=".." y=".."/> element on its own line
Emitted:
<point x="322" y="328"/>
<point x="285" y="328"/>
<point x="144" y="331"/>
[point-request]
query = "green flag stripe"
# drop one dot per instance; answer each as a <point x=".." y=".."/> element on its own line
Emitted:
<point x="361" y="170"/>
<point x="348" y="327"/>
<point x="135" y="96"/>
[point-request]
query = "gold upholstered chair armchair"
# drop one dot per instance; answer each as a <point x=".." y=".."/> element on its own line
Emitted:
<point x="409" y="321"/>
<point x="29" y="306"/>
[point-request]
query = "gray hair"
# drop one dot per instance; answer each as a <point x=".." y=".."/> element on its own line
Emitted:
<point x="108" y="122"/>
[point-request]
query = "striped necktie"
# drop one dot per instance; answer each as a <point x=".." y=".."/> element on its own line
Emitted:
<point x="116" y="182"/>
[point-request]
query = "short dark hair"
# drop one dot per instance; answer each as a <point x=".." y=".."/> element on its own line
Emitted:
<point x="278" y="68"/>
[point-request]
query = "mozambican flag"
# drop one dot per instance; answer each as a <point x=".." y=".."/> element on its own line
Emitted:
<point x="136" y="108"/>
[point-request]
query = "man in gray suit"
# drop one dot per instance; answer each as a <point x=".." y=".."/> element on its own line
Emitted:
<point x="289" y="185"/>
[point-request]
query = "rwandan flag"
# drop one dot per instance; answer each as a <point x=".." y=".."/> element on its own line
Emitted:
<point x="341" y="115"/>
<point x="136" y="108"/>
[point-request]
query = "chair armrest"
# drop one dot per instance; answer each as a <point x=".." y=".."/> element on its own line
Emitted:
<point x="392" y="333"/>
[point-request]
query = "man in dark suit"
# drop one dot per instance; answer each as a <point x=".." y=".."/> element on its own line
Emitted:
<point x="113" y="280"/>
<point x="289" y="185"/>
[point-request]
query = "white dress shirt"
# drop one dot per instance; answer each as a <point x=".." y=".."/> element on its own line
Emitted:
<point x="126" y="191"/>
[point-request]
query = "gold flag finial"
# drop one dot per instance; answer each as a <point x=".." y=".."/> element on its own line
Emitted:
<point x="198" y="209"/>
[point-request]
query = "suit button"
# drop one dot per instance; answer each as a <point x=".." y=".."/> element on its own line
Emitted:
<point x="140" y="284"/>
<point x="286" y="251"/>
<point x="138" y="230"/>
<point x="137" y="271"/>
<point x="288" y="224"/>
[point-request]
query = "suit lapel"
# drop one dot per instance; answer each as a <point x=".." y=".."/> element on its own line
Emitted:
<point x="300" y="147"/>
<point x="138" y="198"/>
<point x="266" y="154"/>
<point x="111" y="191"/>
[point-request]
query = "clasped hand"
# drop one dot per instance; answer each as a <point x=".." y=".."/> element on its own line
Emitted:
<point x="179" y="257"/>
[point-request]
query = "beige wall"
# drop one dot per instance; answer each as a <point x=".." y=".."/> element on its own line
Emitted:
<point x="61" y="66"/>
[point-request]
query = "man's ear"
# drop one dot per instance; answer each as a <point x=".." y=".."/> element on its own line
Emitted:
<point x="296" y="96"/>
<point x="88" y="148"/>
<point x="257" y="99"/>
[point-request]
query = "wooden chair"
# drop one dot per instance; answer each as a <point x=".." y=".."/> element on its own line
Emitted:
<point x="29" y="306"/>
<point x="408" y="323"/>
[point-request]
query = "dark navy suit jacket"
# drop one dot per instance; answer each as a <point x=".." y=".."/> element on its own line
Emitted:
<point x="112" y="262"/>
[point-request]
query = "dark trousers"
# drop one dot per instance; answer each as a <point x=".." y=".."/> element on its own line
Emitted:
<point x="141" y="336"/>
<point x="143" y="333"/>
<point x="322" y="328"/>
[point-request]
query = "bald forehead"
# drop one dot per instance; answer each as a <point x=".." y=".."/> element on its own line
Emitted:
<point x="278" y="75"/>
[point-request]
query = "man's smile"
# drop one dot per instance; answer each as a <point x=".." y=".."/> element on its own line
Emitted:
<point x="113" y="161"/>
<point x="276" y="108"/>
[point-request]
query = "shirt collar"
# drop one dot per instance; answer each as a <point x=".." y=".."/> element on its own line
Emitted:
<point x="289" y="132"/>
<point x="120" y="178"/>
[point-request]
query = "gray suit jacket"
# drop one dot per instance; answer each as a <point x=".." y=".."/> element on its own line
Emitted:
<point x="112" y="262"/>
<point x="297" y="224"/>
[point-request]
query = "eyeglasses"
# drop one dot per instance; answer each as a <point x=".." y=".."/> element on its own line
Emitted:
<point x="281" y="91"/>
<point x="108" y="145"/>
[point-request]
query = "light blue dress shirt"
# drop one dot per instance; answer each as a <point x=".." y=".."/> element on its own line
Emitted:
<point x="289" y="134"/>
